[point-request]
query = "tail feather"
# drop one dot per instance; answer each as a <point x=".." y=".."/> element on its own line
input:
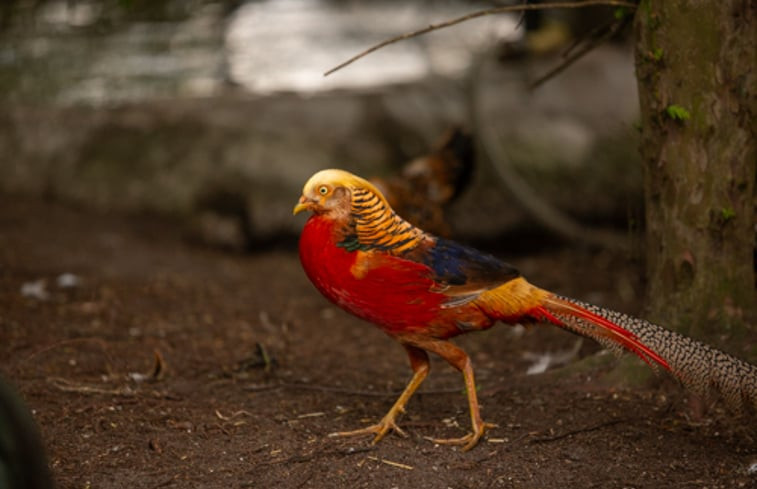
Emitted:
<point x="569" y="314"/>
<point x="704" y="370"/>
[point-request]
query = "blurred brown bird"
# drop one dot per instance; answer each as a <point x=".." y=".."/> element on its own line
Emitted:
<point x="426" y="185"/>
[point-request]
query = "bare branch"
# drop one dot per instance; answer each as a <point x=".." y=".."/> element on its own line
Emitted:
<point x="480" y="13"/>
<point x="615" y="26"/>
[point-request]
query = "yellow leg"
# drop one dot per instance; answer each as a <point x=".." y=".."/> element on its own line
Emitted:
<point x="460" y="360"/>
<point x="420" y="365"/>
<point x="477" y="424"/>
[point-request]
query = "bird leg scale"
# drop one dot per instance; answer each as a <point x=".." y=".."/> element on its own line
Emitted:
<point x="420" y="365"/>
<point x="478" y="426"/>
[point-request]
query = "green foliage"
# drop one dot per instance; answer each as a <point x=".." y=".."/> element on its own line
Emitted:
<point x="652" y="18"/>
<point x="620" y="13"/>
<point x="727" y="213"/>
<point x="677" y="113"/>
<point x="657" y="54"/>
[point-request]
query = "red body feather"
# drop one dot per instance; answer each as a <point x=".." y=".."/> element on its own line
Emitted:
<point x="394" y="293"/>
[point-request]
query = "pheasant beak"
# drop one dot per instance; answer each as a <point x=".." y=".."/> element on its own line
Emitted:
<point x="303" y="205"/>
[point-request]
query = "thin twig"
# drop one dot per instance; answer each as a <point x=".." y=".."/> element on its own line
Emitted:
<point x="125" y="391"/>
<point x="98" y="341"/>
<point x="594" y="33"/>
<point x="342" y="390"/>
<point x="232" y="415"/>
<point x="474" y="15"/>
<point x="579" y="53"/>
<point x="68" y="386"/>
<point x="595" y="427"/>
<point x="304" y="458"/>
<point x="391" y="463"/>
<point x="522" y="17"/>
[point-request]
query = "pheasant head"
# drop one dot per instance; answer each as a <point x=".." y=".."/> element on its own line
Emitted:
<point x="330" y="192"/>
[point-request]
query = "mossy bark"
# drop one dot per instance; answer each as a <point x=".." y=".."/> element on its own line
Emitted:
<point x="695" y="65"/>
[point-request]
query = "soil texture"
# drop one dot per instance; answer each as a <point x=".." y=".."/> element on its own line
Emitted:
<point x="149" y="362"/>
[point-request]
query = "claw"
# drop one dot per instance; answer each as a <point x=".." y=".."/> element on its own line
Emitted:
<point x="468" y="441"/>
<point x="379" y="429"/>
<point x="419" y="363"/>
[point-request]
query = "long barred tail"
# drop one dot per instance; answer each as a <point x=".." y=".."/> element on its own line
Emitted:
<point x="704" y="370"/>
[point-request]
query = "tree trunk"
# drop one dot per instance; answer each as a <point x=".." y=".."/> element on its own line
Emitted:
<point x="695" y="65"/>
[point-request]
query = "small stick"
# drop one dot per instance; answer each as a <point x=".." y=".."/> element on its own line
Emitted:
<point x="389" y="462"/>
<point x="69" y="386"/>
<point x="595" y="427"/>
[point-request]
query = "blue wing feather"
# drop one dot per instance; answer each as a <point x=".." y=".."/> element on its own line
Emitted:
<point x="458" y="265"/>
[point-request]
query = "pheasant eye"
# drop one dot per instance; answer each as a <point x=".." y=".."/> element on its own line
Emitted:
<point x="323" y="190"/>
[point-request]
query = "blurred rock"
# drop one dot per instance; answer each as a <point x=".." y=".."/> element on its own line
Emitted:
<point x="164" y="157"/>
<point x="147" y="143"/>
<point x="36" y="289"/>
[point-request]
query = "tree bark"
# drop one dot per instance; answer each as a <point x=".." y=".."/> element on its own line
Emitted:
<point x="695" y="66"/>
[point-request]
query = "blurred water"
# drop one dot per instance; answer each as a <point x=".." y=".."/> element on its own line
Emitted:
<point x="261" y="46"/>
<point x="288" y="44"/>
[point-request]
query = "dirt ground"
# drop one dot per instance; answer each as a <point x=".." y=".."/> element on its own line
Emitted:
<point x="256" y="369"/>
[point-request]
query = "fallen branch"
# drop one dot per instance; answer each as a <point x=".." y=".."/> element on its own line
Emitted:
<point x="475" y="15"/>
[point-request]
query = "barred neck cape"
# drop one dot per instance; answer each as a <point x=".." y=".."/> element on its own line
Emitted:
<point x="375" y="226"/>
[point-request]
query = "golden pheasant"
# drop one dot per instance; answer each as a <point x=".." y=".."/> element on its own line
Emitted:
<point x="423" y="290"/>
